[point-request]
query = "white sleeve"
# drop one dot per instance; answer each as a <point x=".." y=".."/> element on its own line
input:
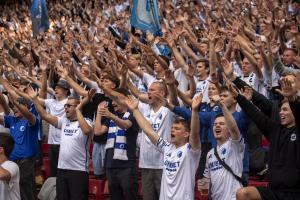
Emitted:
<point x="48" y="102"/>
<point x="60" y="122"/>
<point x="13" y="170"/>
<point x="94" y="85"/>
<point x="148" y="79"/>
<point x="238" y="145"/>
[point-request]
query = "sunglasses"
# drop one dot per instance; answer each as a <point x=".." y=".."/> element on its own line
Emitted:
<point x="69" y="105"/>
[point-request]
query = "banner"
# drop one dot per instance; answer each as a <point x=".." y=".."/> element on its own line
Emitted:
<point x="145" y="16"/>
<point x="39" y="17"/>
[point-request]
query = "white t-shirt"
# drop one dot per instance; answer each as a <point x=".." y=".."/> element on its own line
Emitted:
<point x="55" y="108"/>
<point x="148" y="79"/>
<point x="74" y="146"/>
<point x="161" y="121"/>
<point x="180" y="76"/>
<point x="223" y="183"/>
<point x="10" y="190"/>
<point x="202" y="88"/>
<point x="2" y="128"/>
<point x="180" y="166"/>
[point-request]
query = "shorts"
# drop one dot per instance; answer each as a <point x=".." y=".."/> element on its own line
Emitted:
<point x="271" y="194"/>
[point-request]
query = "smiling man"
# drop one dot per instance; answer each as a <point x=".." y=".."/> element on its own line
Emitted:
<point x="180" y="157"/>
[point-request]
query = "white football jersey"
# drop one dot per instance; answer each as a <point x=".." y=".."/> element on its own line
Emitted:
<point x="223" y="183"/>
<point x="202" y="88"/>
<point x="161" y="121"/>
<point x="180" y="166"/>
<point x="74" y="146"/>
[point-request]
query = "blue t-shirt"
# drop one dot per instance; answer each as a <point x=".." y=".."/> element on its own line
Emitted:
<point x="24" y="135"/>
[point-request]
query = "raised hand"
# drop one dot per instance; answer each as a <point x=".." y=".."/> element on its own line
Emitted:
<point x="196" y="102"/>
<point x="132" y="103"/>
<point x="86" y="99"/>
<point x="274" y="47"/>
<point x="105" y="112"/>
<point x="289" y="87"/>
<point x="169" y="77"/>
<point x="227" y="67"/>
<point x="247" y="92"/>
<point x="31" y="92"/>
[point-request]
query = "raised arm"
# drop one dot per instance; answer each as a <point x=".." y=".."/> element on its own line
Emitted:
<point x="194" y="139"/>
<point x="141" y="120"/>
<point x="25" y="112"/>
<point x="230" y="122"/>
<point x="49" y="118"/>
<point x="99" y="128"/>
<point x="84" y="125"/>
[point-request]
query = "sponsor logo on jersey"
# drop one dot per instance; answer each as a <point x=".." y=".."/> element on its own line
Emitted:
<point x="171" y="166"/>
<point x="215" y="165"/>
<point x="70" y="132"/>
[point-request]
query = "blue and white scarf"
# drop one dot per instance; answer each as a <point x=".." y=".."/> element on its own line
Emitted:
<point x="116" y="139"/>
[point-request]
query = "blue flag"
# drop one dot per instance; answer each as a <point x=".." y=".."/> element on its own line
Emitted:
<point x="39" y="17"/>
<point x="145" y="16"/>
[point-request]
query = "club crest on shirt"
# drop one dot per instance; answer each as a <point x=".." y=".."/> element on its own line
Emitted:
<point x="293" y="137"/>
<point x="22" y="128"/>
<point x="223" y="151"/>
<point x="179" y="154"/>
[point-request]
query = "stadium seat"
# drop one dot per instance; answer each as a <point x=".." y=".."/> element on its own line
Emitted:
<point x="106" y="193"/>
<point x="258" y="183"/>
<point x="96" y="189"/>
<point x="46" y="168"/>
<point x="45" y="149"/>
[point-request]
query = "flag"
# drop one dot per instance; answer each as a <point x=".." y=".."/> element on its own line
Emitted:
<point x="145" y="16"/>
<point x="39" y="17"/>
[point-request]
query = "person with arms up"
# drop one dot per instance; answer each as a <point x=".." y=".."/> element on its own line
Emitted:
<point x="72" y="175"/>
<point x="230" y="149"/>
<point x="284" y="150"/>
<point x="181" y="156"/>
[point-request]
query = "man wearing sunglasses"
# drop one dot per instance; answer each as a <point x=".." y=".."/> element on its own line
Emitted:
<point x="72" y="174"/>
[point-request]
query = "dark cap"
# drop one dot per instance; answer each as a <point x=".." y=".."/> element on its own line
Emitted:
<point x="63" y="84"/>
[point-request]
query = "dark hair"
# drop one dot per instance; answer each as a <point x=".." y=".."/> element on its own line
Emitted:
<point x="218" y="115"/>
<point x="292" y="49"/>
<point x="184" y="122"/>
<point x="166" y="59"/>
<point x="113" y="79"/>
<point x="7" y="142"/>
<point x="205" y="61"/>
<point x="224" y="88"/>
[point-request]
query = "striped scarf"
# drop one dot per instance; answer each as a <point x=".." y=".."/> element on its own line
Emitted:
<point x="116" y="138"/>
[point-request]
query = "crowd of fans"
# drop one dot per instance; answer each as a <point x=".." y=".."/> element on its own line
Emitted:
<point x="192" y="106"/>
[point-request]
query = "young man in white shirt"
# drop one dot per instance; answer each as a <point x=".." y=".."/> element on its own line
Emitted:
<point x="180" y="157"/>
<point x="230" y="148"/>
<point x="72" y="175"/>
<point x="9" y="171"/>
<point x="55" y="107"/>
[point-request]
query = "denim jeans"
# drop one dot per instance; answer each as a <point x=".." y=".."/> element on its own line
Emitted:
<point x="98" y="156"/>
